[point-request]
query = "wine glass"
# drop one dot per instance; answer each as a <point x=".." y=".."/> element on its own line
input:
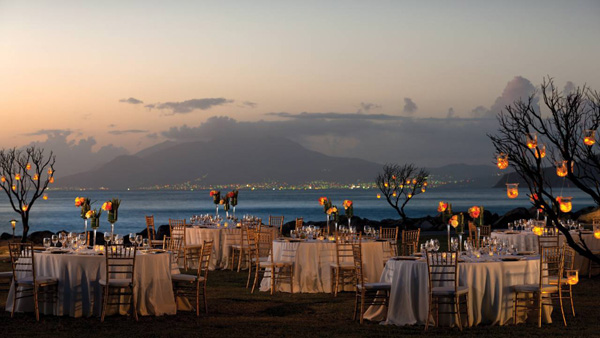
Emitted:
<point x="55" y="240"/>
<point x="138" y="240"/>
<point x="62" y="238"/>
<point x="47" y="243"/>
<point x="146" y="243"/>
<point x="132" y="238"/>
<point x="107" y="237"/>
<point x="82" y="240"/>
<point x="436" y="245"/>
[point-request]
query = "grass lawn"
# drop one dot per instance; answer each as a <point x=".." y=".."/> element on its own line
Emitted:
<point x="234" y="312"/>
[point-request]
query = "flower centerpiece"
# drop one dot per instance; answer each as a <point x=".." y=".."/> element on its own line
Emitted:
<point x="334" y="214"/>
<point x="476" y="214"/>
<point x="349" y="210"/>
<point x="83" y="203"/>
<point x="216" y="195"/>
<point x="326" y="203"/>
<point x="233" y="197"/>
<point x="94" y="216"/>
<point x="225" y="202"/>
<point x="445" y="209"/>
<point x="112" y="207"/>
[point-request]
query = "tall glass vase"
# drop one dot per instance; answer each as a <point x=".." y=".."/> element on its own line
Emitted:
<point x="233" y="212"/>
<point x="328" y="230"/>
<point x="217" y="211"/>
<point x="94" y="242"/>
<point x="85" y="227"/>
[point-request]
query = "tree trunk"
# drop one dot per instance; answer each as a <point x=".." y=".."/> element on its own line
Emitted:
<point x="25" y="222"/>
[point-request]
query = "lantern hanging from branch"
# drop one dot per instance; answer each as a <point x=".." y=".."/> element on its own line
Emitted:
<point x="589" y="137"/>
<point x="597" y="231"/>
<point x="378" y="195"/>
<point x="531" y="140"/>
<point x="565" y="203"/>
<point x="502" y="161"/>
<point x="572" y="276"/>
<point x="512" y="190"/>
<point x="561" y="169"/>
<point x="540" y="152"/>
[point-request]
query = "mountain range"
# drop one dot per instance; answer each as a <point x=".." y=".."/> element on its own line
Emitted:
<point x="235" y="160"/>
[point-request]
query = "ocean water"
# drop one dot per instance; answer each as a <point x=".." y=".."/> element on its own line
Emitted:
<point x="59" y="212"/>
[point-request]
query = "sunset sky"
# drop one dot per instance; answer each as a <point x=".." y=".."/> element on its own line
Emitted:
<point x="83" y="77"/>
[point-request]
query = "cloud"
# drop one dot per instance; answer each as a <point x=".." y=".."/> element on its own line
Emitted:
<point x="250" y="104"/>
<point x="409" y="106"/>
<point x="189" y="106"/>
<point x="425" y="141"/>
<point x="131" y="100"/>
<point x="51" y="132"/>
<point x="569" y="88"/>
<point x="336" y="116"/>
<point x="75" y="155"/>
<point x="127" y="131"/>
<point x="365" y="107"/>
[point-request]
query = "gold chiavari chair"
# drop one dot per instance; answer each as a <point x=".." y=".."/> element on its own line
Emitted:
<point x="299" y="223"/>
<point x="240" y="249"/>
<point x="173" y="244"/>
<point x="486" y="231"/>
<point x="195" y="285"/>
<point x="279" y="270"/>
<point x="410" y="241"/>
<point x="276" y="221"/>
<point x="193" y="256"/>
<point x="565" y="285"/>
<point x="548" y="238"/>
<point x="342" y="271"/>
<point x="151" y="231"/>
<point x="391" y="234"/>
<point x="551" y="267"/>
<point x="5" y="281"/>
<point x="474" y="236"/>
<point x="120" y="275"/>
<point x="178" y="231"/>
<point x="252" y="253"/>
<point x="369" y="293"/>
<point x="27" y="282"/>
<point x="442" y="269"/>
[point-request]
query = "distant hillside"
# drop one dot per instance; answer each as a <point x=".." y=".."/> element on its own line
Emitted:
<point x="466" y="174"/>
<point x="225" y="161"/>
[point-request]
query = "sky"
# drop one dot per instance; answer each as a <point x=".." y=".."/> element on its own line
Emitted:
<point x="387" y="81"/>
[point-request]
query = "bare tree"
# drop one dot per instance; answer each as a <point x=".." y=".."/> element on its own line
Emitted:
<point x="399" y="184"/>
<point x="25" y="175"/>
<point x="526" y="134"/>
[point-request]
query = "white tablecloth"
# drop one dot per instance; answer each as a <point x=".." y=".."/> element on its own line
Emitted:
<point x="224" y="239"/>
<point x="490" y="293"/>
<point x="527" y="241"/>
<point x="312" y="264"/>
<point x="79" y="291"/>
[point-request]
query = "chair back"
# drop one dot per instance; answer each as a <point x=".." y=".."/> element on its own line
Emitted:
<point x="388" y="233"/>
<point x="175" y="222"/>
<point x="178" y="231"/>
<point x="343" y="247"/>
<point x="486" y="231"/>
<point x="251" y="242"/>
<point x="264" y="244"/>
<point x="150" y="227"/>
<point x="276" y="221"/>
<point x="410" y="241"/>
<point x="358" y="266"/>
<point x="299" y="223"/>
<point x="473" y="235"/>
<point x="548" y="238"/>
<point x="442" y="268"/>
<point x="568" y="257"/>
<point x="173" y="244"/>
<point x="551" y="264"/>
<point x="207" y="249"/>
<point x="22" y="260"/>
<point x="120" y="261"/>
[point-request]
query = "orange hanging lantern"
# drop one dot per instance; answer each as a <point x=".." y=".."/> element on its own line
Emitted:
<point x="590" y="137"/>
<point x="51" y="179"/>
<point x="14" y="187"/>
<point x="561" y="169"/>
<point x="414" y="181"/>
<point x="50" y="171"/>
<point x="597" y="231"/>
<point x="36" y="177"/>
<point x="572" y="277"/>
<point x="378" y="195"/>
<point x="502" y="161"/>
<point x="2" y="179"/>
<point x="409" y="195"/>
<point x="565" y="203"/>
<point x="423" y="189"/>
<point x="540" y="152"/>
<point x="408" y="181"/>
<point x="394" y="193"/>
<point x="425" y="183"/>
<point x="531" y="140"/>
<point x="386" y="184"/>
<point x="512" y="190"/>
<point x="24" y="207"/>
<point x="538" y="230"/>
<point x="45" y="197"/>
<point x="28" y="166"/>
<point x="17" y="177"/>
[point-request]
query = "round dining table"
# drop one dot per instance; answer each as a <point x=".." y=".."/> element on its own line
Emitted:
<point x="312" y="264"/>
<point x="528" y="241"/>
<point x="79" y="290"/>
<point x="489" y="279"/>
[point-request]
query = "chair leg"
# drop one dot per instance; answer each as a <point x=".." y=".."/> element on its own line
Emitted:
<point x="337" y="281"/>
<point x="515" y="301"/>
<point x="428" y="313"/>
<point x="204" y="297"/>
<point x="240" y="260"/>
<point x="249" y="273"/>
<point x="539" y="304"/>
<point x="362" y="306"/>
<point x="133" y="304"/>
<point x="457" y="308"/>
<point x="356" y="300"/>
<point x="104" y="302"/>
<point x="292" y="279"/>
<point x="272" y="280"/>
<point x="36" y="305"/>
<point x="255" y="278"/>
<point x="562" y="308"/>
<point x="12" y="313"/>
<point x="197" y="300"/>
<point x="571" y="299"/>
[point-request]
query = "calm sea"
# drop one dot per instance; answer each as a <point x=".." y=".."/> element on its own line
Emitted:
<point x="59" y="212"/>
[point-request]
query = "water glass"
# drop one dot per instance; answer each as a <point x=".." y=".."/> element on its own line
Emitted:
<point x="132" y="238"/>
<point x="146" y="243"/>
<point x="55" y="240"/>
<point x="138" y="240"/>
<point x="47" y="242"/>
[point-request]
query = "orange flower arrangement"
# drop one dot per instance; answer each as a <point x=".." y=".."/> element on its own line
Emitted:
<point x="79" y="201"/>
<point x="107" y="206"/>
<point x="442" y="206"/>
<point x="322" y="200"/>
<point x="474" y="212"/>
<point x="349" y="208"/>
<point x="453" y="221"/>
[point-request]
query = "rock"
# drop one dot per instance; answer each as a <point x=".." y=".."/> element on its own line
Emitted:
<point x="162" y="231"/>
<point x="587" y="215"/>
<point x="426" y="225"/>
<point x="38" y="236"/>
<point x="6" y="236"/>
